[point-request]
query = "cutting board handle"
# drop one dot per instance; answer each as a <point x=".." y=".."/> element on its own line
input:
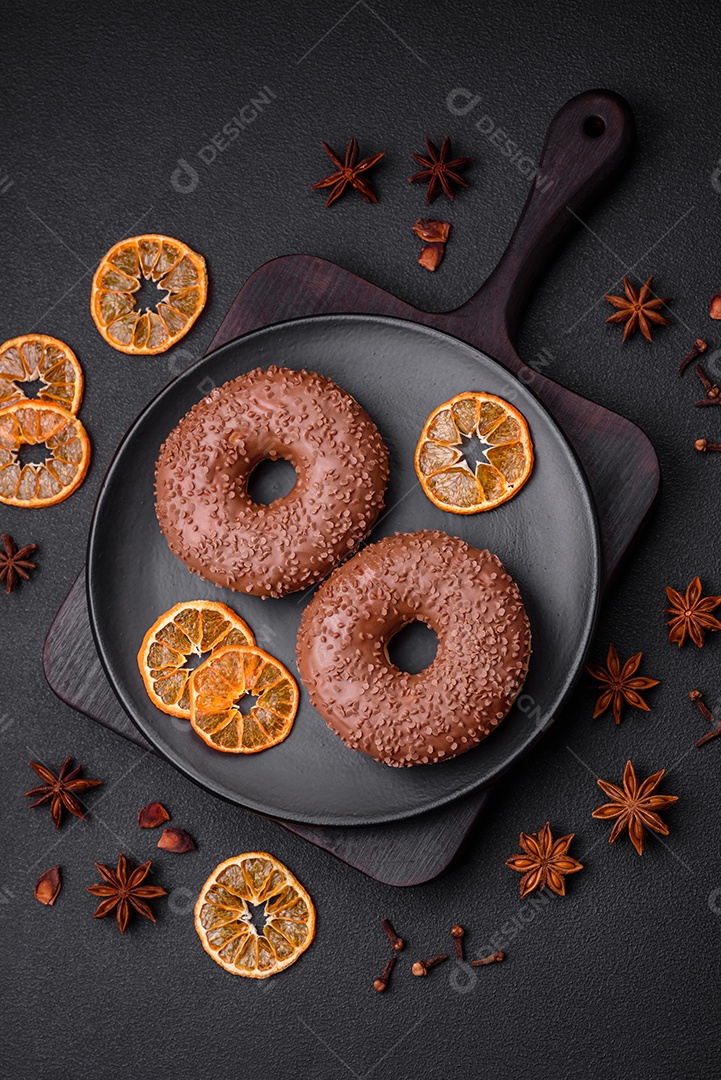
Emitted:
<point x="589" y="142"/>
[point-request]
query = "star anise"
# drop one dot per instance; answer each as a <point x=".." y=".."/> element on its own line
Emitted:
<point x="347" y="173"/>
<point x="546" y="861"/>
<point x="124" y="892"/>
<point x="636" y="310"/>
<point x="15" y="562"/>
<point x="634" y="806"/>
<point x="61" y="790"/>
<point x="440" y="173"/>
<point x="691" y="614"/>
<point x="620" y="684"/>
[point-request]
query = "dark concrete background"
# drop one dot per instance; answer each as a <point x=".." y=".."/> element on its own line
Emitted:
<point x="100" y="103"/>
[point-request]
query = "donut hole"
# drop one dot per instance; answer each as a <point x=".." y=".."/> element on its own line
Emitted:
<point x="413" y="648"/>
<point x="271" y="479"/>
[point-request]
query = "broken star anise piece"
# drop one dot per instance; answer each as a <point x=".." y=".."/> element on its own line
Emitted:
<point x="431" y="256"/>
<point x="431" y="231"/>
<point x="61" y="791"/>
<point x="633" y="806"/>
<point x="638" y="309"/>
<point x="691" y="614"/>
<point x="15" y="562"/>
<point x="434" y="234"/>
<point x="152" y="815"/>
<point x="124" y="892"/>
<point x="177" y="840"/>
<point x="620" y="684"/>
<point x="546" y="861"/>
<point x="440" y="172"/>
<point x="348" y="173"/>
<point x="48" y="886"/>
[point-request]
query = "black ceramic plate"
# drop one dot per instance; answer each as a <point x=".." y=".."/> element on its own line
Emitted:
<point x="546" y="537"/>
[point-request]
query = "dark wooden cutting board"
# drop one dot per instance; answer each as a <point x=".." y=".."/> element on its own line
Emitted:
<point x="588" y="144"/>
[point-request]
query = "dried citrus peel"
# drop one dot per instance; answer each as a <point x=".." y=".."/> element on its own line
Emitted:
<point x="33" y="423"/>
<point x="40" y="358"/>
<point x="182" y="280"/>
<point x="505" y="445"/>
<point x="223" y="916"/>
<point x="218" y="685"/>
<point x="188" y="629"/>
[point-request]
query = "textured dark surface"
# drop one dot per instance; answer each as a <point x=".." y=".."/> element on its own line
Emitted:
<point x="620" y="978"/>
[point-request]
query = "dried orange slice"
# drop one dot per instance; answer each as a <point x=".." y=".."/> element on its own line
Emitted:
<point x="182" y="282"/>
<point x="225" y="677"/>
<point x="32" y="423"/>
<point x="503" y="451"/>
<point x="39" y="358"/>
<point x="224" y="914"/>
<point x="188" y="629"/>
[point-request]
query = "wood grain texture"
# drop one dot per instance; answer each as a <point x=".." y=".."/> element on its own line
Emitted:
<point x="589" y="142"/>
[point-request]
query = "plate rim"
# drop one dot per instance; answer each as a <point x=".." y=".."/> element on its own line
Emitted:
<point x="330" y="821"/>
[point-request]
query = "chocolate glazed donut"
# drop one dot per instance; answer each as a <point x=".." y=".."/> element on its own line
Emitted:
<point x="202" y="501"/>
<point x="484" y="645"/>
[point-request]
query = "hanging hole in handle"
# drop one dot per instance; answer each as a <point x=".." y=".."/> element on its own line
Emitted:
<point x="594" y="126"/>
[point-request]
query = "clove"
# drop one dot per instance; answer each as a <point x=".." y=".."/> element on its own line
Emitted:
<point x="422" y="967"/>
<point x="383" y="979"/>
<point x="712" y="390"/>
<point x="697" y="698"/>
<point x="457" y="933"/>
<point x="397" y="943"/>
<point x="699" y="346"/>
<point x="702" y="445"/>
<point x="494" y="958"/>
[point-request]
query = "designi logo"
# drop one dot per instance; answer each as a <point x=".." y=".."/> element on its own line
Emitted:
<point x="716" y="177"/>
<point x="461" y="102"/>
<point x="186" y="178"/>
